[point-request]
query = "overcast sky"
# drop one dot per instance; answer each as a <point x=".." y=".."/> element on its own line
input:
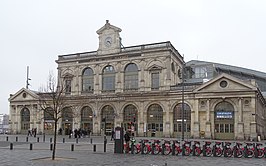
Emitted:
<point x="33" y="33"/>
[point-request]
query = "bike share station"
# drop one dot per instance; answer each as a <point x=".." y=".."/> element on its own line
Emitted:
<point x="198" y="148"/>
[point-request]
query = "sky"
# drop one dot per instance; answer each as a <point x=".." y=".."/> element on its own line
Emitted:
<point x="34" y="32"/>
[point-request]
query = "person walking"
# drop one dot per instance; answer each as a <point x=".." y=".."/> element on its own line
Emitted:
<point x="112" y="135"/>
<point x="127" y="139"/>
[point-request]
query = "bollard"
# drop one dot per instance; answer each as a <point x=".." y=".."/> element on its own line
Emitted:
<point x="173" y="148"/>
<point x="30" y="146"/>
<point x="142" y="147"/>
<point x="132" y="148"/>
<point x="193" y="149"/>
<point x="27" y="139"/>
<point x="38" y="140"/>
<point x="104" y="144"/>
<point x="152" y="148"/>
<point x="72" y="147"/>
<point x="51" y="140"/>
<point x="94" y="148"/>
<point x="6" y="138"/>
<point x="163" y="148"/>
<point x="51" y="146"/>
<point x="43" y="137"/>
<point x="91" y="140"/>
<point x="16" y="139"/>
<point x="11" y="146"/>
<point x="63" y="140"/>
<point x="77" y="140"/>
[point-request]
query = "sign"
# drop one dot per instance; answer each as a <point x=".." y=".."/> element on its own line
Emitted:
<point x="117" y="134"/>
<point x="224" y="115"/>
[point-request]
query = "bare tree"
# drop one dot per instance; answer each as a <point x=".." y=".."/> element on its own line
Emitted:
<point x="51" y="102"/>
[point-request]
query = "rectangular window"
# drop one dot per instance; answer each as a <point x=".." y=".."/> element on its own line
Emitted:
<point x="217" y="129"/>
<point x="231" y="128"/>
<point x="68" y="86"/>
<point x="221" y="128"/>
<point x="179" y="127"/>
<point x="226" y="128"/>
<point x="188" y="128"/>
<point x="175" y="127"/>
<point x="155" y="81"/>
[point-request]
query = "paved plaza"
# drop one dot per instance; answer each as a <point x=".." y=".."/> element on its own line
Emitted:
<point x="83" y="154"/>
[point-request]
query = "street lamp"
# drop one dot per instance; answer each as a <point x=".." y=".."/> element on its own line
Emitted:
<point x="182" y="115"/>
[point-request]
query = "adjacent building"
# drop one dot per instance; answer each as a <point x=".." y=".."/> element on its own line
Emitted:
<point x="142" y="88"/>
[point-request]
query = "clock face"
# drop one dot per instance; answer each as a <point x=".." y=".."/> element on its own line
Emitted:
<point x="108" y="41"/>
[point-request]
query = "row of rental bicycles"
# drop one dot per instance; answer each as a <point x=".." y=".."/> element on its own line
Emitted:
<point x="196" y="148"/>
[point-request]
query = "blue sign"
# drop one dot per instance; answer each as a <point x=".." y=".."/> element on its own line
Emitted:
<point x="224" y="115"/>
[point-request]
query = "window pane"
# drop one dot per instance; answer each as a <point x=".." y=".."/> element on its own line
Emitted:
<point x="155" y="80"/>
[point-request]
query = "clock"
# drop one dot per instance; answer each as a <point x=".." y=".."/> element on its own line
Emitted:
<point x="108" y="41"/>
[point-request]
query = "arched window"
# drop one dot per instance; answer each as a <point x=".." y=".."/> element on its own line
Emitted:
<point x="67" y="115"/>
<point x="131" y="77"/>
<point x="108" y="78"/>
<point x="25" y="118"/>
<point x="86" y="114"/>
<point x="130" y="118"/>
<point x="86" y="119"/>
<point x="49" y="120"/>
<point x="108" y="116"/>
<point x="178" y="118"/>
<point x="155" y="118"/>
<point x="224" y="120"/>
<point x="87" y="80"/>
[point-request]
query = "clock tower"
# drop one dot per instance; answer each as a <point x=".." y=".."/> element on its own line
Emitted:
<point x="109" y="39"/>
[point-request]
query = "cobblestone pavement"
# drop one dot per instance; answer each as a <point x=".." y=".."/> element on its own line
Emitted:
<point x="83" y="155"/>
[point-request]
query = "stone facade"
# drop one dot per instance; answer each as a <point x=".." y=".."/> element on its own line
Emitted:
<point x="147" y="100"/>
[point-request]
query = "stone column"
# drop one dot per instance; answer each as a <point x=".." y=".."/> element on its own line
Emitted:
<point x="240" y="125"/>
<point x="208" y="122"/>
<point x="196" y="127"/>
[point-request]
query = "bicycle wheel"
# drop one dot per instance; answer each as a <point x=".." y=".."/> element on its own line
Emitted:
<point x="208" y="152"/>
<point x="156" y="150"/>
<point x="145" y="150"/>
<point x="167" y="150"/>
<point x="136" y="151"/>
<point x="197" y="152"/>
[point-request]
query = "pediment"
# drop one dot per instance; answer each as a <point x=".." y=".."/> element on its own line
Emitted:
<point x="155" y="67"/>
<point x="225" y="82"/>
<point x="108" y="27"/>
<point x="24" y="95"/>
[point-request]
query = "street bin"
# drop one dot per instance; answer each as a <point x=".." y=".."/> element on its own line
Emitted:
<point x="119" y="140"/>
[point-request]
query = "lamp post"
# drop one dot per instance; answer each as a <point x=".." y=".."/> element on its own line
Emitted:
<point x="182" y="115"/>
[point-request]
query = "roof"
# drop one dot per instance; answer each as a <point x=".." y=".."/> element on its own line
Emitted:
<point x="228" y="68"/>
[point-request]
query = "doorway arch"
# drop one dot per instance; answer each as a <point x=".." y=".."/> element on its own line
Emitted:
<point x="224" y="121"/>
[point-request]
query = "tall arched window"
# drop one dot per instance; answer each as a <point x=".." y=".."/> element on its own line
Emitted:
<point x="224" y="120"/>
<point x="130" y="118"/>
<point x="108" y="117"/>
<point x="49" y="120"/>
<point x="131" y="77"/>
<point x="25" y="118"/>
<point x="108" y="78"/>
<point x="67" y="120"/>
<point x="86" y="118"/>
<point x="178" y="118"/>
<point x="87" y="80"/>
<point x="155" y="120"/>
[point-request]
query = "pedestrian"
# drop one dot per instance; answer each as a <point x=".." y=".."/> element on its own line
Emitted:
<point x="29" y="132"/>
<point x="112" y="135"/>
<point x="127" y="139"/>
<point x="35" y="132"/>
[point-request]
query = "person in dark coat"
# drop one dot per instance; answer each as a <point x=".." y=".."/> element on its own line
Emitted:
<point x="127" y="139"/>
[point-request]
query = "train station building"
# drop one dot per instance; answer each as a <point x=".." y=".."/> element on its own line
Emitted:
<point x="142" y="88"/>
